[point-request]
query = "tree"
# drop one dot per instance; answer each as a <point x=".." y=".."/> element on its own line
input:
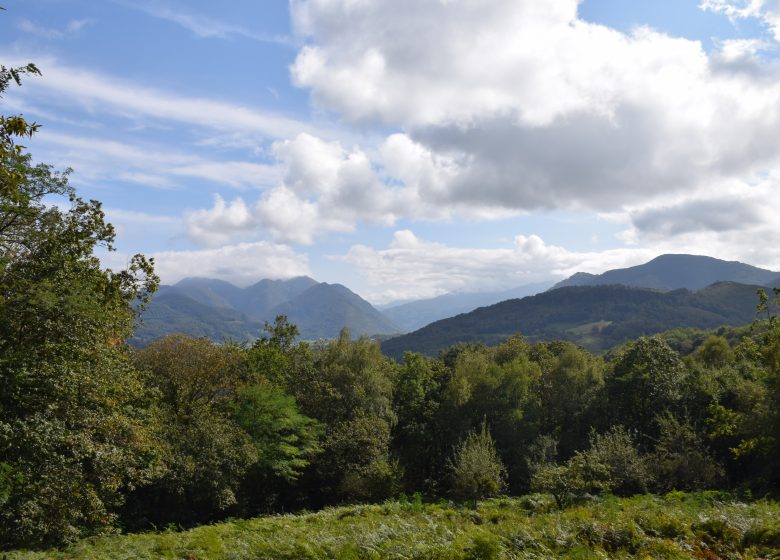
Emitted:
<point x="349" y="389"/>
<point x="611" y="464"/>
<point x="477" y="470"/>
<point x="11" y="127"/>
<point x="647" y="379"/>
<point x="284" y="440"/>
<point x="205" y="453"/>
<point x="73" y="431"/>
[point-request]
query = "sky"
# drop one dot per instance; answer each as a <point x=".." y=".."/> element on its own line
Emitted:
<point x="410" y="148"/>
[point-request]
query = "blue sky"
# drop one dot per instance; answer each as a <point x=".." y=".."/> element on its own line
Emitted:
<point x="406" y="148"/>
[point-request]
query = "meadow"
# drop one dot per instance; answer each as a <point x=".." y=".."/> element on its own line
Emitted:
<point x="707" y="525"/>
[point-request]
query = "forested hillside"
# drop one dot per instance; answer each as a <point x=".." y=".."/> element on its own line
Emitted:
<point x="596" y="317"/>
<point x="416" y="314"/>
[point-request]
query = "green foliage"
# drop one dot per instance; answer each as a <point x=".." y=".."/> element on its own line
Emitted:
<point x="73" y="427"/>
<point x="205" y="453"/>
<point x="611" y="464"/>
<point x="284" y="438"/>
<point x="715" y="352"/>
<point x="477" y="470"/>
<point x="682" y="459"/>
<point x="646" y="379"/>
<point x="12" y="174"/>
<point x="680" y="526"/>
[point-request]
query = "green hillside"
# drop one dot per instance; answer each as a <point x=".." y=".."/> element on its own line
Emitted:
<point x="678" y="526"/>
<point x="176" y="313"/>
<point x="596" y="317"/>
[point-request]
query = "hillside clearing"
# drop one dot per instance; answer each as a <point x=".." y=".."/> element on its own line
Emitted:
<point x="705" y="525"/>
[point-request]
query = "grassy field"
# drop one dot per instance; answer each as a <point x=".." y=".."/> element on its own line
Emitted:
<point x="706" y="526"/>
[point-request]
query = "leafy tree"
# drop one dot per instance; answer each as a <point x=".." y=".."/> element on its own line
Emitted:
<point x="568" y="391"/>
<point x="416" y="402"/>
<point x="205" y="452"/>
<point x="681" y="459"/>
<point x="349" y="388"/>
<point x="477" y="471"/>
<point x="715" y="352"/>
<point x="647" y="379"/>
<point x="611" y="464"/>
<point x="11" y="127"/>
<point x="284" y="439"/>
<point x="72" y="421"/>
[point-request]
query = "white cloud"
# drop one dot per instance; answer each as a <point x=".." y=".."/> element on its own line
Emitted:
<point x="95" y="92"/>
<point x="217" y="225"/>
<point x="767" y="11"/>
<point x="328" y="188"/>
<point x="520" y="105"/>
<point x="411" y="267"/>
<point x="99" y="160"/>
<point x="242" y="264"/>
<point x="205" y="27"/>
<point x="72" y="28"/>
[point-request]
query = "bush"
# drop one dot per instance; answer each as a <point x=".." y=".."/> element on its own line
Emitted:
<point x="477" y="471"/>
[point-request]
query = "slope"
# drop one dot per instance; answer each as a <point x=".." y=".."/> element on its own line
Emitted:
<point x="322" y="310"/>
<point x="597" y="317"/>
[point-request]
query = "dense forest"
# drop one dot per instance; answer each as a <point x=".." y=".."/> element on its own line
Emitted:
<point x="97" y="436"/>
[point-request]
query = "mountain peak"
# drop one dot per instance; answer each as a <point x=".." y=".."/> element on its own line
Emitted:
<point x="674" y="271"/>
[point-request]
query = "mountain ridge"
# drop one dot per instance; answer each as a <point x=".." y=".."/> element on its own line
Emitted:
<point x="672" y="271"/>
<point x="218" y="310"/>
<point x="596" y="317"/>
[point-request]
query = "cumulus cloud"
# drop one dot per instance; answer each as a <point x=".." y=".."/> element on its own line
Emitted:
<point x="767" y="11"/>
<point x="326" y="187"/>
<point x="521" y="105"/>
<point x="411" y="267"/>
<point x="242" y="264"/>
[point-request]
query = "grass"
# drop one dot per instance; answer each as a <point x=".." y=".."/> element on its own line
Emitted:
<point x="705" y="525"/>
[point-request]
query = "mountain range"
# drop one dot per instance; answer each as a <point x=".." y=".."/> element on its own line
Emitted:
<point x="601" y="311"/>
<point x="221" y="311"/>
<point x="597" y="311"/>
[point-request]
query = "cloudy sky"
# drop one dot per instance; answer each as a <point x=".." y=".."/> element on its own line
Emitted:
<point x="408" y="148"/>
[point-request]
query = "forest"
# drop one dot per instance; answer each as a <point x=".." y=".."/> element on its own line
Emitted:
<point x="96" y="436"/>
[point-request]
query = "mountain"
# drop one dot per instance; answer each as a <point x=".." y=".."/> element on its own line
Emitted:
<point x="596" y="317"/>
<point x="415" y="314"/>
<point x="260" y="299"/>
<point x="671" y="272"/>
<point x="172" y="312"/>
<point x="323" y="309"/>
<point x="219" y="310"/>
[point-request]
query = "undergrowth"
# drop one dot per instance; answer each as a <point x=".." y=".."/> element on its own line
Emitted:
<point x="708" y="526"/>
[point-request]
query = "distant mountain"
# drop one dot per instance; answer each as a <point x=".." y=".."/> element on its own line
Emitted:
<point x="323" y="309"/>
<point x="671" y="272"/>
<point x="416" y="314"/>
<point x="596" y="317"/>
<point x="219" y="310"/>
<point x="172" y="312"/>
